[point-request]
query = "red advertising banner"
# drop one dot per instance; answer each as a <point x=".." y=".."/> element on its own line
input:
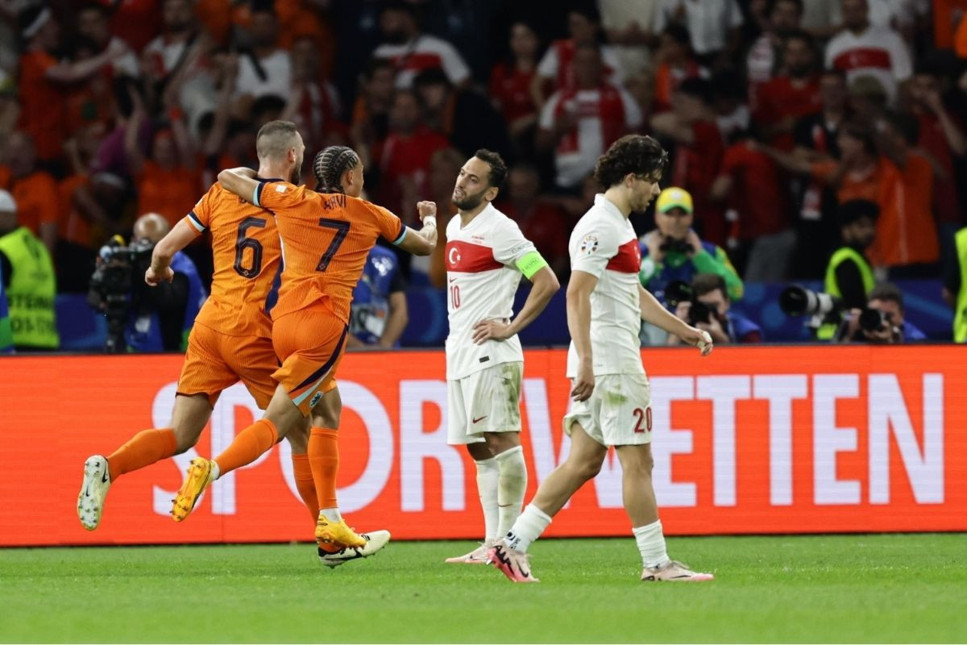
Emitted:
<point x="747" y="440"/>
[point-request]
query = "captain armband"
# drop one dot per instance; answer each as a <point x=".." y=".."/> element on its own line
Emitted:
<point x="530" y="264"/>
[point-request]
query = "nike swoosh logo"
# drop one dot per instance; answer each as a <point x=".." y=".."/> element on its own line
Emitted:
<point x="480" y="419"/>
<point x="452" y="280"/>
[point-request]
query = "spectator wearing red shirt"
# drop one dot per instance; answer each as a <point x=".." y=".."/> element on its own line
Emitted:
<point x="556" y="70"/>
<point x="754" y="187"/>
<point x="510" y="83"/>
<point x="942" y="139"/>
<point x="785" y="99"/>
<point x="369" y="122"/>
<point x="698" y="152"/>
<point x="540" y="221"/>
<point x="404" y="158"/>
<point x="781" y="18"/>
<point x="314" y="104"/>
<point x="43" y="80"/>
<point x="581" y="122"/>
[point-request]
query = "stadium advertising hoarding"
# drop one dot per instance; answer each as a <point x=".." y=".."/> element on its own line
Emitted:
<point x="748" y="440"/>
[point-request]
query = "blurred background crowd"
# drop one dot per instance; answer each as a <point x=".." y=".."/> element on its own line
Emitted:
<point x="785" y="120"/>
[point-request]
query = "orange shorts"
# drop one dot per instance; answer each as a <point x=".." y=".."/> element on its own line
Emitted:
<point x="310" y="342"/>
<point x="214" y="362"/>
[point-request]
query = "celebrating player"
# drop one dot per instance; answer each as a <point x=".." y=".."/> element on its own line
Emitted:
<point x="326" y="238"/>
<point x="231" y="339"/>
<point x="610" y="390"/>
<point x="485" y="256"/>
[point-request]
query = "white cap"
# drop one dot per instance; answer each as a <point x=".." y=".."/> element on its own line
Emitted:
<point x="7" y="203"/>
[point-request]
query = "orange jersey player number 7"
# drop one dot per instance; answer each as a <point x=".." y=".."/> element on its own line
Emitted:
<point x="326" y="239"/>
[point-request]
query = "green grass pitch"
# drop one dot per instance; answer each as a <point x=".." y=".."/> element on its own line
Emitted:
<point x="853" y="588"/>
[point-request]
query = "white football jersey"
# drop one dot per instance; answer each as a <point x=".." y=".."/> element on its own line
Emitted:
<point x="482" y="279"/>
<point x="604" y="244"/>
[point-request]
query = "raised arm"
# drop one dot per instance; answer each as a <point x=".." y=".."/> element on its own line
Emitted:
<point x="177" y="238"/>
<point x="420" y="242"/>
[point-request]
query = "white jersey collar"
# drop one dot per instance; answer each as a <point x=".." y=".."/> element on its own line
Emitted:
<point x="602" y="202"/>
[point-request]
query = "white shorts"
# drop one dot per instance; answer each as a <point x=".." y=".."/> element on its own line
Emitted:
<point x="618" y="412"/>
<point x="485" y="401"/>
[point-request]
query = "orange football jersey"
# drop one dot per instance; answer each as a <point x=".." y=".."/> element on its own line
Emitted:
<point x="246" y="253"/>
<point x="326" y="239"/>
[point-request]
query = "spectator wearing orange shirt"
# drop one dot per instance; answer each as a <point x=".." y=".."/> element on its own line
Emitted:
<point x="34" y="190"/>
<point x="900" y="182"/>
<point x="43" y="80"/>
<point x="167" y="182"/>
<point x="676" y="63"/>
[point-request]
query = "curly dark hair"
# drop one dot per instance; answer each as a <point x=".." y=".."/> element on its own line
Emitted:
<point x="633" y="154"/>
<point x="329" y="166"/>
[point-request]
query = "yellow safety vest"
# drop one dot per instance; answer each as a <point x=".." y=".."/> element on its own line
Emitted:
<point x="960" y="311"/>
<point x="827" y="331"/>
<point x="32" y="289"/>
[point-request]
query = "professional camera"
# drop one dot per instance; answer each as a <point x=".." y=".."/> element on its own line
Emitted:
<point x="873" y="320"/>
<point x="798" y="301"/>
<point x="112" y="285"/>
<point x="679" y="291"/>
<point x="671" y="245"/>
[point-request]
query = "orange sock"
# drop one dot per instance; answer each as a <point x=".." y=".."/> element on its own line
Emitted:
<point x="248" y="446"/>
<point x="305" y="484"/>
<point x="324" y="460"/>
<point x="143" y="449"/>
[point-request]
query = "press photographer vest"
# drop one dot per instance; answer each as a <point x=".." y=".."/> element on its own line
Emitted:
<point x="6" y="336"/>
<point x="827" y="331"/>
<point x="32" y="289"/>
<point x="960" y="313"/>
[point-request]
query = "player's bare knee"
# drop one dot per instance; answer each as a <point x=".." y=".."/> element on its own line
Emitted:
<point x="499" y="442"/>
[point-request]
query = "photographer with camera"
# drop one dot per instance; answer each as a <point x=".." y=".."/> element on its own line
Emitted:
<point x="673" y="251"/>
<point x="140" y="319"/>
<point x="880" y="321"/>
<point x="849" y="276"/>
<point x="705" y="304"/>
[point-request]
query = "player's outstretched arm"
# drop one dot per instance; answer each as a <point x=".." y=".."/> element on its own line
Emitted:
<point x="653" y="312"/>
<point x="177" y="238"/>
<point x="545" y="286"/>
<point x="241" y="182"/>
<point x="420" y="242"/>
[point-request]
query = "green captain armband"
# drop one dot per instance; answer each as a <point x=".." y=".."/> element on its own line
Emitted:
<point x="531" y="264"/>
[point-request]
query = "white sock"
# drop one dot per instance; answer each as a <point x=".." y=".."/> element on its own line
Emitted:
<point x="488" y="473"/>
<point x="651" y="544"/>
<point x="510" y="487"/>
<point x="332" y="514"/>
<point x="216" y="473"/>
<point x="527" y="528"/>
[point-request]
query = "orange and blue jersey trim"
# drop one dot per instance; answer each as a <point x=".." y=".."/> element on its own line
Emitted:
<point x="305" y="389"/>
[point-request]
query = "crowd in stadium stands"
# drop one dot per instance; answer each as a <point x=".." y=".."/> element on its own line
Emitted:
<point x="776" y="112"/>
